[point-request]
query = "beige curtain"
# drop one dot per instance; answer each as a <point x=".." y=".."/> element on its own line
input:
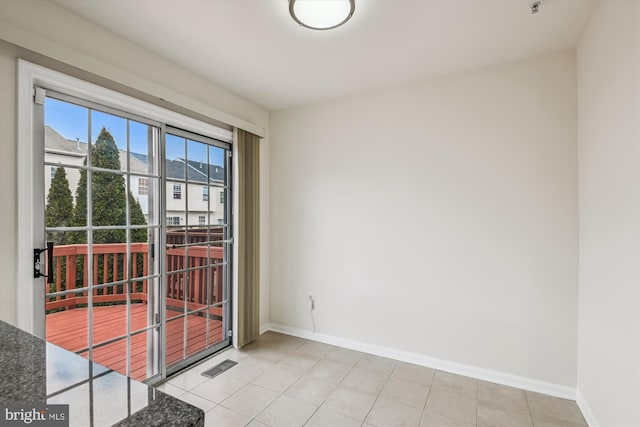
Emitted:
<point x="248" y="237"/>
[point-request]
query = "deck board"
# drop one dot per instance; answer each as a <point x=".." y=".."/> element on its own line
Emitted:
<point x="69" y="329"/>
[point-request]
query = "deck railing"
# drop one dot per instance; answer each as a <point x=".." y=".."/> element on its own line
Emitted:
<point x="202" y="281"/>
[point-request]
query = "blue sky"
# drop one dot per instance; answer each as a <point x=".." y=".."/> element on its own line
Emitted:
<point x="72" y="122"/>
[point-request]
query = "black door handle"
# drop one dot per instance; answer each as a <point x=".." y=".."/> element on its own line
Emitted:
<point x="36" y="262"/>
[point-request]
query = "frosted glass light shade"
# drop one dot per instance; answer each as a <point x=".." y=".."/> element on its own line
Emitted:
<point x="321" y="14"/>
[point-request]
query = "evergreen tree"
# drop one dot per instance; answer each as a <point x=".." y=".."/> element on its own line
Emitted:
<point x="109" y="203"/>
<point x="138" y="235"/>
<point x="137" y="218"/>
<point x="108" y="191"/>
<point x="80" y="209"/>
<point x="59" y="209"/>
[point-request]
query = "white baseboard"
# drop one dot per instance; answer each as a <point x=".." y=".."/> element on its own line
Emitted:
<point x="430" y="362"/>
<point x="264" y="328"/>
<point x="587" y="413"/>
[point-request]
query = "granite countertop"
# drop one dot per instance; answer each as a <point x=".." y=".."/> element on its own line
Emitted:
<point x="37" y="372"/>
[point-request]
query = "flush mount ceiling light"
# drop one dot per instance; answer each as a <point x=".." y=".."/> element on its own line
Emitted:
<point x="321" y="14"/>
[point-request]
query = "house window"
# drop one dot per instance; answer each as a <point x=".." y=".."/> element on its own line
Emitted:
<point x="205" y="194"/>
<point x="201" y="220"/>
<point x="173" y="220"/>
<point x="222" y="197"/>
<point x="220" y="221"/>
<point x="177" y="191"/>
<point x="53" y="171"/>
<point x="143" y="186"/>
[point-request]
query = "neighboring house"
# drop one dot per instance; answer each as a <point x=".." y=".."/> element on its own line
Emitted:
<point x="202" y="196"/>
<point x="58" y="149"/>
<point x="200" y="193"/>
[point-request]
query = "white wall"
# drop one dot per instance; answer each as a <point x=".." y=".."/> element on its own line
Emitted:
<point x="8" y="191"/>
<point x="69" y="44"/>
<point x="608" y="135"/>
<point x="438" y="218"/>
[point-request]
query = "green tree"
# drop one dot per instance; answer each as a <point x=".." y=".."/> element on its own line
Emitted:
<point x="80" y="209"/>
<point x="138" y="235"/>
<point x="108" y="190"/>
<point x="108" y="195"/>
<point x="109" y="202"/>
<point x="59" y="209"/>
<point x="137" y="218"/>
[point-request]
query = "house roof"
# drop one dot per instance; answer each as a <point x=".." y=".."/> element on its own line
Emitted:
<point x="175" y="169"/>
<point x="197" y="171"/>
<point x="56" y="143"/>
<point x="200" y="169"/>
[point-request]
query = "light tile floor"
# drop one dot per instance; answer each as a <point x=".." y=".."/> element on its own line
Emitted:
<point x="283" y="381"/>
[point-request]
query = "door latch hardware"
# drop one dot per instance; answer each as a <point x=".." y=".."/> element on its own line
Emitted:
<point x="36" y="262"/>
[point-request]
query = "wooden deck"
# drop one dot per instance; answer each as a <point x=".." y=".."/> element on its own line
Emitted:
<point x="69" y="329"/>
<point x="195" y="280"/>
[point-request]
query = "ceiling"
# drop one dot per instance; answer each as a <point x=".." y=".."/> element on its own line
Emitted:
<point x="254" y="49"/>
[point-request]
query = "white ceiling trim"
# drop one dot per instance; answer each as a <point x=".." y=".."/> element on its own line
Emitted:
<point x="28" y="40"/>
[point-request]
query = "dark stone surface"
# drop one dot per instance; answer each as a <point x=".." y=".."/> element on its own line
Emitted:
<point x="36" y="372"/>
<point x="154" y="414"/>
<point x="22" y="358"/>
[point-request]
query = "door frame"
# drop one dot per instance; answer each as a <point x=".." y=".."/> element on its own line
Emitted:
<point x="30" y="291"/>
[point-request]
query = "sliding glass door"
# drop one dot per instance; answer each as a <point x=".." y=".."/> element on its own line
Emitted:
<point x="197" y="240"/>
<point x="138" y="276"/>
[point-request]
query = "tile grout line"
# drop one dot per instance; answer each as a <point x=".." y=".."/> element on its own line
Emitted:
<point x="526" y="396"/>
<point x="424" y="407"/>
<point x="379" y="393"/>
<point x="371" y="409"/>
<point x="334" y="389"/>
<point x="292" y="352"/>
<point x="319" y="406"/>
<point x="288" y="350"/>
<point x="288" y="353"/>
<point x="477" y="399"/>
<point x="250" y="382"/>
